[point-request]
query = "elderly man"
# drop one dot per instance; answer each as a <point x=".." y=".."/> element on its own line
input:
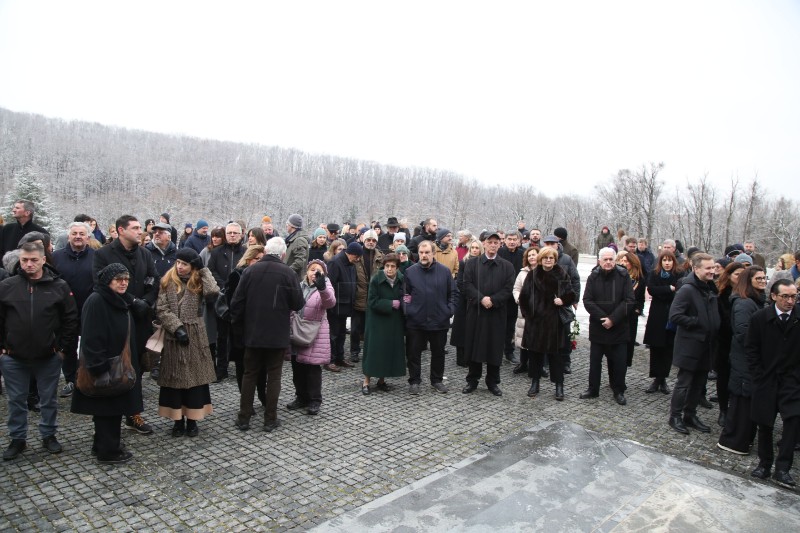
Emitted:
<point x="607" y="297"/>
<point x="37" y="301"/>
<point x="464" y="236"/>
<point x="430" y="297"/>
<point x="696" y="314"/>
<point x="297" y="243"/>
<point x="772" y="348"/>
<point x="669" y="245"/>
<point x="12" y="232"/>
<point x="161" y="248"/>
<point x="386" y="240"/>
<point x="74" y="263"/>
<point x="221" y="262"/>
<point x="267" y="292"/>
<point x="488" y="284"/>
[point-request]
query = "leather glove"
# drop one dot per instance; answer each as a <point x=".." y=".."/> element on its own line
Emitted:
<point x="181" y="336"/>
<point x="139" y="307"/>
<point x="319" y="281"/>
<point x="395" y="304"/>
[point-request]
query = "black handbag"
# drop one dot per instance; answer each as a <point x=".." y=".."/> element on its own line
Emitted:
<point x="119" y="379"/>
<point x="566" y="314"/>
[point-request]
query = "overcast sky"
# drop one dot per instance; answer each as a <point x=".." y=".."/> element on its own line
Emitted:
<point x="559" y="95"/>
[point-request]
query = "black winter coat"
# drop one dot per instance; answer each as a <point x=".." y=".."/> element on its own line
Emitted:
<point x="544" y="331"/>
<point x="656" y="333"/>
<point x="742" y="310"/>
<point x="342" y="274"/>
<point x="568" y="265"/>
<point x="434" y="297"/>
<point x="608" y="294"/>
<point x="37" y="317"/>
<point x="76" y="269"/>
<point x="162" y="260"/>
<point x="460" y="316"/>
<point x="485" y="328"/>
<point x="105" y="329"/>
<point x="773" y="355"/>
<point x="267" y="292"/>
<point x="696" y="313"/>
<point x="222" y="261"/>
<point x="723" y="349"/>
<point x="11" y="233"/>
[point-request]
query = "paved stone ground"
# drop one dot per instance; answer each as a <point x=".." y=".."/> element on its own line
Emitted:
<point x="313" y="468"/>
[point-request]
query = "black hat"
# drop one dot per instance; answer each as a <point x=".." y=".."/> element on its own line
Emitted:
<point x="110" y="272"/>
<point x="354" y="249"/>
<point x="187" y="255"/>
<point x="333" y="228"/>
<point x="561" y="233"/>
<point x="392" y="223"/>
<point x="165" y="216"/>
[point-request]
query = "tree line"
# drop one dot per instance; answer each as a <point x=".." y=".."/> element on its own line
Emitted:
<point x="105" y="171"/>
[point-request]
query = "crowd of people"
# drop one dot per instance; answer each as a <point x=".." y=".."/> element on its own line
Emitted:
<point x="184" y="305"/>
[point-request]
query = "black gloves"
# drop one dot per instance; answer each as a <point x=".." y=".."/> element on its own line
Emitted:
<point x="319" y="281"/>
<point x="181" y="336"/>
<point x="139" y="308"/>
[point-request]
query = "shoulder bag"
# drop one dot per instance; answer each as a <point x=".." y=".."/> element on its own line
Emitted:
<point x="119" y="379"/>
<point x="303" y="332"/>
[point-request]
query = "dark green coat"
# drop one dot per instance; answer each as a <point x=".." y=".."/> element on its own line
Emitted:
<point x="384" y="333"/>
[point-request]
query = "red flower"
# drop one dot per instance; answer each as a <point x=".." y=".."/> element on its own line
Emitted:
<point x="574" y="345"/>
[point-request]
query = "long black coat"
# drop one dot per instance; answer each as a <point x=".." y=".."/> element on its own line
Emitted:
<point x="742" y="310"/>
<point x="544" y="332"/>
<point x="696" y="313"/>
<point x="723" y="350"/>
<point x="342" y="274"/>
<point x="655" y="332"/>
<point x="105" y="328"/>
<point x="267" y="291"/>
<point x="608" y="294"/>
<point x="773" y="355"/>
<point x="485" y="333"/>
<point x="457" y="336"/>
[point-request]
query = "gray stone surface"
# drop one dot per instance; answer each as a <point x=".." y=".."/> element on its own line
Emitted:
<point x="359" y="448"/>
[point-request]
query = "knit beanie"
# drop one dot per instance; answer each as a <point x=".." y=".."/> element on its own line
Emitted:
<point x="187" y="255"/>
<point x="266" y="219"/>
<point x="561" y="233"/>
<point x="370" y="234"/>
<point x="320" y="263"/>
<point x="355" y="249"/>
<point x="296" y="221"/>
<point x="402" y="249"/>
<point x="201" y="224"/>
<point x="319" y="232"/>
<point x="110" y="272"/>
<point x="399" y="236"/>
<point x="743" y="258"/>
<point x="442" y="233"/>
<point x="165" y="216"/>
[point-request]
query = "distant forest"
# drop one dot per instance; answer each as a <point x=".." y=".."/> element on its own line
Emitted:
<point x="106" y="171"/>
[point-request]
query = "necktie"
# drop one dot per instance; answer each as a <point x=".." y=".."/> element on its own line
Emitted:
<point x="784" y="317"/>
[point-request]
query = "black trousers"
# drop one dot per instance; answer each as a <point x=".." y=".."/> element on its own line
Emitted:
<point x="223" y="332"/>
<point x="660" y="361"/>
<point x="357" y="322"/>
<point x="526" y="358"/>
<point x="107" y="431"/>
<point x="617" y="369"/>
<point x="338" y="331"/>
<point x="688" y="389"/>
<point x="766" y="454"/>
<point x="556" y="366"/>
<point x="476" y="370"/>
<point x="69" y="366"/>
<point x="511" y="323"/>
<point x="417" y="340"/>
<point x="739" y="430"/>
<point x="723" y="364"/>
<point x="256" y="359"/>
<point x="307" y="381"/>
<point x="633" y="326"/>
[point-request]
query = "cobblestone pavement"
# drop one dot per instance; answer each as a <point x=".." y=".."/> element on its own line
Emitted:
<point x="312" y="468"/>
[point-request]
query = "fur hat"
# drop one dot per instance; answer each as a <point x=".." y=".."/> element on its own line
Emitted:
<point x="110" y="272"/>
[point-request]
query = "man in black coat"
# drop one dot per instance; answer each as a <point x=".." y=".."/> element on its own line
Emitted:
<point x="142" y="289"/>
<point x="266" y="294"/>
<point x="221" y="262"/>
<point x="488" y="284"/>
<point x="512" y="252"/>
<point x="342" y="273"/>
<point x="38" y="325"/>
<point x="696" y="314"/>
<point x="74" y="263"/>
<point x="772" y="347"/>
<point x="607" y="297"/>
<point x="12" y="232"/>
<point x="429" y="227"/>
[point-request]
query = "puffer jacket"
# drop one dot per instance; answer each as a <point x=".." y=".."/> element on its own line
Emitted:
<point x="37" y="317"/>
<point x="519" y="327"/>
<point x="317" y="303"/>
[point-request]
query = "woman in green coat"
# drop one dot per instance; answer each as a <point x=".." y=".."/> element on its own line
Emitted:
<point x="384" y="333"/>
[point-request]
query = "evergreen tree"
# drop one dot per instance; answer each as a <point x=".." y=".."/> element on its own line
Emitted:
<point x="28" y="185"/>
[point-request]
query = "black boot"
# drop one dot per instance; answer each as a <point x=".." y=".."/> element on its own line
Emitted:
<point x="179" y="428"/>
<point x="534" y="390"/>
<point x="662" y="386"/>
<point x="560" y="391"/>
<point x="653" y="386"/>
<point x="191" y="428"/>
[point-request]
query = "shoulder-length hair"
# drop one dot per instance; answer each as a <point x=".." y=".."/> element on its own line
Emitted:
<point x="525" y="262"/>
<point x="194" y="285"/>
<point x="258" y="233"/>
<point x="335" y="243"/>
<point x="250" y="254"/>
<point x="219" y="233"/>
<point x="636" y="266"/>
<point x="744" y="285"/>
<point x="676" y="268"/>
<point x="724" y="280"/>
<point x="469" y="245"/>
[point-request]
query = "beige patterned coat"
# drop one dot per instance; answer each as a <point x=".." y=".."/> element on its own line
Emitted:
<point x="184" y="367"/>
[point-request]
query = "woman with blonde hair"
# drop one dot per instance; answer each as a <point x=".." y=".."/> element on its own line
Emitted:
<point x="186" y="364"/>
<point x="336" y="246"/>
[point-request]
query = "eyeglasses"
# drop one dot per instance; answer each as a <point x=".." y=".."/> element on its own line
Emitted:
<point x="787" y="297"/>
